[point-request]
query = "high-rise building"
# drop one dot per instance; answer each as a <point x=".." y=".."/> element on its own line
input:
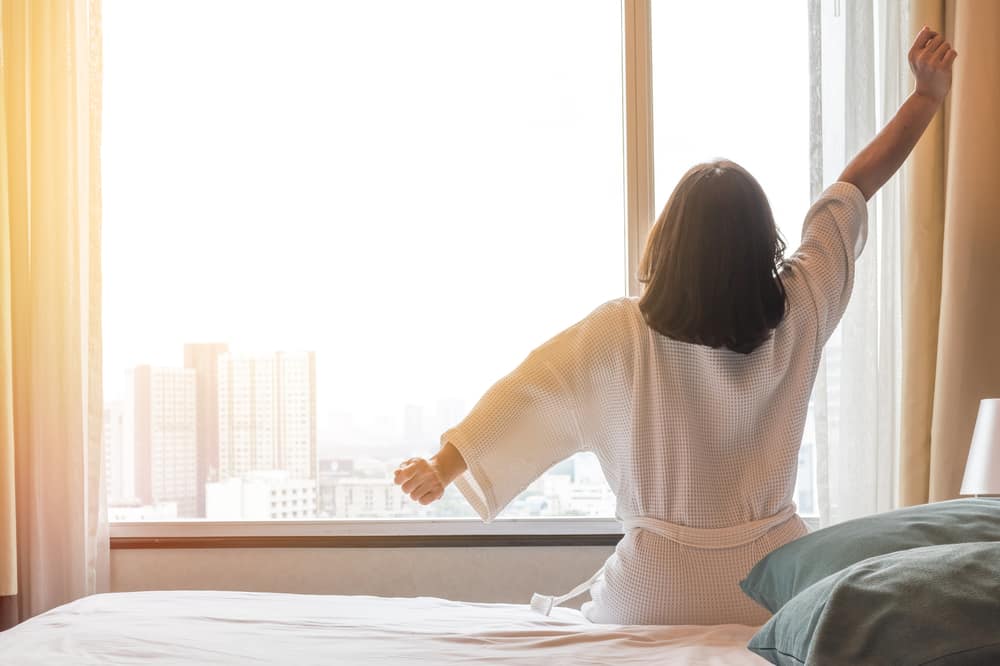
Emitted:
<point x="119" y="462"/>
<point x="162" y="418"/>
<point x="132" y="512"/>
<point x="450" y="411"/>
<point x="204" y="360"/>
<point x="261" y="496"/>
<point x="330" y="471"/>
<point x="267" y="414"/>
<point x="364" y="497"/>
<point x="413" y="426"/>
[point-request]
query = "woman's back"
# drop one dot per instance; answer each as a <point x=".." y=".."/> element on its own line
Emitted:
<point x="713" y="439"/>
<point x="716" y="433"/>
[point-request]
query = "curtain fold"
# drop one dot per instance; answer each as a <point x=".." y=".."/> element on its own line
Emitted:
<point x="8" y="523"/>
<point x="855" y="403"/>
<point x="950" y="267"/>
<point x="53" y="540"/>
<point x="923" y="244"/>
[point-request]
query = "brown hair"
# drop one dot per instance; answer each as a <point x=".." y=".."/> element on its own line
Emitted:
<point x="711" y="262"/>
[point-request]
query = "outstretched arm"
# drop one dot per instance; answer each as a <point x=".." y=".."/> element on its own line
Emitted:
<point x="930" y="61"/>
<point x="525" y="423"/>
<point x="553" y="405"/>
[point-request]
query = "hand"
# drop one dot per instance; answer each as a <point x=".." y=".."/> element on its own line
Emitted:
<point x="930" y="61"/>
<point x="421" y="480"/>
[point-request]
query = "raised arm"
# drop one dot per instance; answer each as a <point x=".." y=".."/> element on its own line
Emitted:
<point x="930" y="61"/>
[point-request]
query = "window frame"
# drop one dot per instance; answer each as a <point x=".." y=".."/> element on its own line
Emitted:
<point x="638" y="186"/>
<point x="371" y="533"/>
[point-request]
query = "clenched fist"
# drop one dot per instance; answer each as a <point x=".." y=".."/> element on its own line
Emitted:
<point x="421" y="480"/>
<point x="930" y="61"/>
<point x="425" y="480"/>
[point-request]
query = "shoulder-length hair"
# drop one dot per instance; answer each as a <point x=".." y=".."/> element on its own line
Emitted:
<point x="711" y="263"/>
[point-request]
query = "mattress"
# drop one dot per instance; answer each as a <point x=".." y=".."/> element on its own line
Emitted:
<point x="201" y="627"/>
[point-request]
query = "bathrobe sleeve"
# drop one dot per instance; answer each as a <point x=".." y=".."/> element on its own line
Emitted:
<point x="833" y="236"/>
<point x="554" y="404"/>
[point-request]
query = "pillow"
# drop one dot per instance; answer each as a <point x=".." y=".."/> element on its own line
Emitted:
<point x="798" y="564"/>
<point x="939" y="604"/>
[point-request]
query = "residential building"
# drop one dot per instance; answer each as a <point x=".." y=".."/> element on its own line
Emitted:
<point x="161" y="417"/>
<point x="119" y="458"/>
<point x="362" y="497"/>
<point x="203" y="358"/>
<point x="134" y="512"/>
<point x="272" y="495"/>
<point x="267" y="414"/>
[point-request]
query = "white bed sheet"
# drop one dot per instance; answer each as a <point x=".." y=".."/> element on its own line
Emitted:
<point x="198" y="627"/>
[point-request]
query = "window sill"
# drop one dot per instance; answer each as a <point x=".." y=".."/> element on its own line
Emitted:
<point x="439" y="533"/>
<point x="400" y="533"/>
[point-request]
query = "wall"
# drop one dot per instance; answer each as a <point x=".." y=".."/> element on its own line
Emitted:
<point x="509" y="574"/>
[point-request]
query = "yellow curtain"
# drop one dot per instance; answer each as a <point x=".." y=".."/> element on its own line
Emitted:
<point x="53" y="539"/>
<point x="8" y="521"/>
<point x="951" y="242"/>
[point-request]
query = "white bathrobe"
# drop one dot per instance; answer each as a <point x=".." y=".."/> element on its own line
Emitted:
<point x="699" y="445"/>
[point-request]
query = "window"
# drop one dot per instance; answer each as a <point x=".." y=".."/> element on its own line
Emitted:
<point x="389" y="185"/>
<point x="330" y="227"/>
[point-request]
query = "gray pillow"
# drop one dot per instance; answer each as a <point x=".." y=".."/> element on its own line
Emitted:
<point x="795" y="566"/>
<point x="935" y="605"/>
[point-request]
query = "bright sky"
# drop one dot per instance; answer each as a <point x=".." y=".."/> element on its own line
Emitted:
<point x="421" y="192"/>
<point x="731" y="79"/>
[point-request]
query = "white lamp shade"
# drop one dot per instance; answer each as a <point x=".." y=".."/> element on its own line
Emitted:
<point x="982" y="471"/>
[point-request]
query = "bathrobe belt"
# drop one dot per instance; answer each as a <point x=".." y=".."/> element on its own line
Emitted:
<point x="694" y="537"/>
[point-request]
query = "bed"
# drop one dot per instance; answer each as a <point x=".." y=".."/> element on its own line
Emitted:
<point x="201" y="627"/>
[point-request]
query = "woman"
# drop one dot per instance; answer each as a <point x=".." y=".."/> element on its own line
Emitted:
<point x="694" y="396"/>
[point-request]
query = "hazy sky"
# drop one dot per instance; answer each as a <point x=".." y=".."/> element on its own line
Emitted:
<point x="421" y="192"/>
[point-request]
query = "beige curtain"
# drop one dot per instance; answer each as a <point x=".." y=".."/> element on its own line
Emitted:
<point x="951" y="259"/>
<point x="53" y="538"/>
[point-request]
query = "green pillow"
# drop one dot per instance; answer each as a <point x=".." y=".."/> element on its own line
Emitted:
<point x="939" y="605"/>
<point x="798" y="564"/>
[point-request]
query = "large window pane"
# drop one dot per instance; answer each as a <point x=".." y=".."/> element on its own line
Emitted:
<point x="330" y="226"/>
<point x="731" y="79"/>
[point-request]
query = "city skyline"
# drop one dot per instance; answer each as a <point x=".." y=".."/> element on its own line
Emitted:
<point x="153" y="450"/>
<point x="160" y="466"/>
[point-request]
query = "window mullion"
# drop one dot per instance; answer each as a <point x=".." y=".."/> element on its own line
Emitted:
<point x="638" y="94"/>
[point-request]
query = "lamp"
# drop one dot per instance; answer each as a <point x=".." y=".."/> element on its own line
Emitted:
<point x="982" y="470"/>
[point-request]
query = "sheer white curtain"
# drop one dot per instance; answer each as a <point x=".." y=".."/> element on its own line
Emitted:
<point x="53" y="531"/>
<point x="860" y="76"/>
